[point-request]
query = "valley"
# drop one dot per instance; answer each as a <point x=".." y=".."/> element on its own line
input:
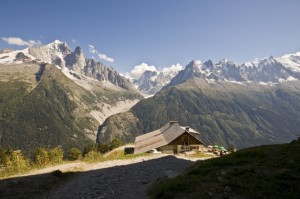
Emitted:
<point x="75" y="101"/>
<point x="44" y="104"/>
<point x="224" y="114"/>
<point x="150" y="99"/>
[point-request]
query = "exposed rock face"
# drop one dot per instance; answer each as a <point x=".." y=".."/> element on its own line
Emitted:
<point x="99" y="71"/>
<point x="153" y="81"/>
<point x="57" y="98"/>
<point x="76" y="61"/>
<point x="52" y="53"/>
<point x="147" y="82"/>
<point x="60" y="54"/>
<point x="22" y="57"/>
<point x="6" y="50"/>
<point x="268" y="70"/>
<point x="191" y="70"/>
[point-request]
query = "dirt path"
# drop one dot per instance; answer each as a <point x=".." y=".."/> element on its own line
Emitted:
<point x="128" y="178"/>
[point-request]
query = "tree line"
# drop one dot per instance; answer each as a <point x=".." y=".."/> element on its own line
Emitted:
<point x="15" y="162"/>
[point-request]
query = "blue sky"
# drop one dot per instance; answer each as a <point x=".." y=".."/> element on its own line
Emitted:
<point x="158" y="32"/>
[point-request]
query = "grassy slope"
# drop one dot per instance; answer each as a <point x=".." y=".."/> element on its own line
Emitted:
<point x="40" y="106"/>
<point x="226" y="114"/>
<point x="261" y="172"/>
<point x="42" y="116"/>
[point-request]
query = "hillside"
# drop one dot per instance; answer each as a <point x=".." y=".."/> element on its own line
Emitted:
<point x="260" y="172"/>
<point x="41" y="106"/>
<point x="225" y="113"/>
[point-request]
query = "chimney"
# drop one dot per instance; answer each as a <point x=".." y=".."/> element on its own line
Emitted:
<point x="173" y="122"/>
<point x="187" y="128"/>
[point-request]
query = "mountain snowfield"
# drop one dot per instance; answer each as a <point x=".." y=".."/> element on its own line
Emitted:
<point x="266" y="71"/>
<point x="153" y="81"/>
<point x="72" y="63"/>
<point x="291" y="61"/>
<point x="231" y="104"/>
<point x="83" y="71"/>
<point x="147" y="79"/>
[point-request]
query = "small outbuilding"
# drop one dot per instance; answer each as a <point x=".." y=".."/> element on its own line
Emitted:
<point x="170" y="139"/>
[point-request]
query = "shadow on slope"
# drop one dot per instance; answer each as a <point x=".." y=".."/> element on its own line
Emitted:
<point x="128" y="181"/>
<point x="261" y="172"/>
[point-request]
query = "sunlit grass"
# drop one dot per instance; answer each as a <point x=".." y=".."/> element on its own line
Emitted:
<point x="200" y="155"/>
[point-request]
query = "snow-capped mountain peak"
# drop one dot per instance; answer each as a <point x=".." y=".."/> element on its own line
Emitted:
<point x="291" y="61"/>
<point x="57" y="42"/>
<point x="267" y="70"/>
<point x="151" y="81"/>
<point x="197" y="62"/>
<point x="17" y="56"/>
<point x="59" y="47"/>
<point x="71" y="62"/>
<point x="224" y="61"/>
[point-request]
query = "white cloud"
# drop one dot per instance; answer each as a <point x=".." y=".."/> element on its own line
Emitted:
<point x="105" y="57"/>
<point x="140" y="69"/>
<point x="20" y="42"/>
<point x="172" y="69"/>
<point x="74" y="41"/>
<point x="92" y="49"/>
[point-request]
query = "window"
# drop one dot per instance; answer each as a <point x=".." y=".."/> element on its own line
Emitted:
<point x="185" y="140"/>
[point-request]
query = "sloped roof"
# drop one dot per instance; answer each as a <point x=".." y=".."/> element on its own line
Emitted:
<point x="160" y="137"/>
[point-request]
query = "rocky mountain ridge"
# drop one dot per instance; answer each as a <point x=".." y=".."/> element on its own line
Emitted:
<point x="224" y="113"/>
<point x="71" y="62"/>
<point x="231" y="104"/>
<point x="150" y="82"/>
<point x="51" y="95"/>
<point x="266" y="71"/>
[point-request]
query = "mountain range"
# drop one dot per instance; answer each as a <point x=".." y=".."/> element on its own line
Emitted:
<point x="59" y="54"/>
<point x="267" y="70"/>
<point x="243" y="105"/>
<point x="51" y="95"/>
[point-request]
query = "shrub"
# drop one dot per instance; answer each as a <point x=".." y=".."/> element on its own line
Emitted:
<point x="92" y="156"/>
<point x="41" y="157"/>
<point x="56" y="154"/>
<point x="103" y="147"/>
<point x="12" y="162"/>
<point x="115" y="143"/>
<point x="75" y="154"/>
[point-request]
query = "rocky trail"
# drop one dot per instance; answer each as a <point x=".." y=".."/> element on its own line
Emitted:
<point x="128" y="178"/>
